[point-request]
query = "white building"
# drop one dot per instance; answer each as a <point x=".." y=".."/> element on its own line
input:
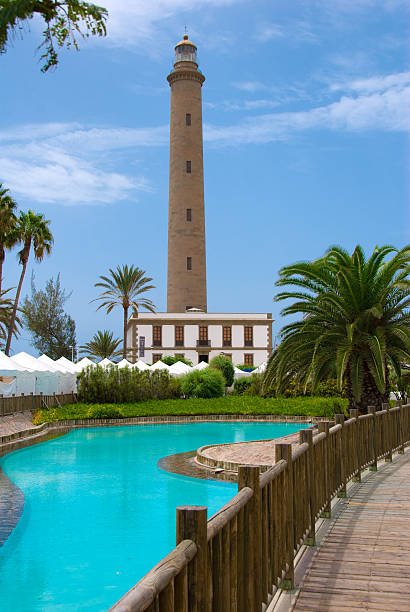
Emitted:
<point x="199" y="336"/>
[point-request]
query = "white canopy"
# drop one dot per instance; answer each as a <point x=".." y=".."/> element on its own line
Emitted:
<point x="67" y="364"/>
<point x="124" y="363"/>
<point x="179" y="369"/>
<point x="47" y="381"/>
<point x="159" y="365"/>
<point x="66" y="379"/>
<point x="25" y="379"/>
<point x="201" y="365"/>
<point x="260" y="369"/>
<point x="83" y="363"/>
<point x="240" y="373"/>
<point x="140" y="365"/>
<point x="105" y="363"/>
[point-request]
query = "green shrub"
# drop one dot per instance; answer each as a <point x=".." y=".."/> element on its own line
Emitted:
<point x="203" y="383"/>
<point x="124" y="385"/>
<point x="241" y="384"/>
<point x="255" y="385"/>
<point x="225" y="365"/>
<point x="169" y="360"/>
<point x="104" y="412"/>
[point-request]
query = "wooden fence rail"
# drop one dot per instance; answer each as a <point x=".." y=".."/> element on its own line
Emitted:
<point x="31" y="403"/>
<point x="235" y="560"/>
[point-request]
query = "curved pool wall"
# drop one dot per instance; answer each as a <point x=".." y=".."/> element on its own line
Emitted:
<point x="99" y="513"/>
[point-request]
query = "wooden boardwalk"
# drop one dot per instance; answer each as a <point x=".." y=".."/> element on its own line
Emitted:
<point x="364" y="561"/>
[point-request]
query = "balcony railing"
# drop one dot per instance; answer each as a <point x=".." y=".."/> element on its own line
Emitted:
<point x="156" y="343"/>
<point x="203" y="343"/>
<point x="227" y="343"/>
<point x="179" y="343"/>
<point x="248" y="342"/>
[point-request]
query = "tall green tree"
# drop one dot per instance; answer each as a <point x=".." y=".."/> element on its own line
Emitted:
<point x="125" y="286"/>
<point x="65" y="22"/>
<point x="32" y="231"/>
<point x="355" y="323"/>
<point x="102" y="345"/>
<point x="8" y="222"/>
<point x="51" y="328"/>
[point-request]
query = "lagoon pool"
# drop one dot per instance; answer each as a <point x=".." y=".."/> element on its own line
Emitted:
<point x="99" y="513"/>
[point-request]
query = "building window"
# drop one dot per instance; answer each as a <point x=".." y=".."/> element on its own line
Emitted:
<point x="156" y="335"/>
<point x="248" y="336"/>
<point x="142" y="346"/>
<point x="227" y="336"/>
<point x="248" y="359"/>
<point x="188" y="119"/>
<point x="188" y="167"/>
<point x="189" y="214"/>
<point x="203" y="335"/>
<point x="180" y="355"/>
<point x="189" y="263"/>
<point x="156" y="357"/>
<point x="179" y="335"/>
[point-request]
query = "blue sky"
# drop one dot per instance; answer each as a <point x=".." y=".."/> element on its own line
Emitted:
<point x="306" y="118"/>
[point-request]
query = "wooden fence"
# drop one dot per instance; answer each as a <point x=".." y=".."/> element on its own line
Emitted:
<point x="237" y="559"/>
<point x="21" y="403"/>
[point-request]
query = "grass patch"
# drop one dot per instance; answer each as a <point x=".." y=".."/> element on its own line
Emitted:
<point x="294" y="406"/>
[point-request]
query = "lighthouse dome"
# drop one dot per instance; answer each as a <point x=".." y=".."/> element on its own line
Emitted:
<point x="185" y="51"/>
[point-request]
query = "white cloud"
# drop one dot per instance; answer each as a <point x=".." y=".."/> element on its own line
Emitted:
<point x="377" y="83"/>
<point x="267" y="31"/>
<point x="64" y="163"/>
<point x="250" y="86"/>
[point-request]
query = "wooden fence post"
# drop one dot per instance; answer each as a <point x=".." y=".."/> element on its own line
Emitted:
<point x="340" y="420"/>
<point x="306" y="435"/>
<point x="399" y="403"/>
<point x="388" y="433"/>
<point x="372" y="411"/>
<point x="284" y="451"/>
<point x="354" y="414"/>
<point x="323" y="427"/>
<point x="191" y="524"/>
<point x="248" y="476"/>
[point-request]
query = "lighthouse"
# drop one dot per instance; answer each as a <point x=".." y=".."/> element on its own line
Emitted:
<point x="187" y="330"/>
<point x="186" y="282"/>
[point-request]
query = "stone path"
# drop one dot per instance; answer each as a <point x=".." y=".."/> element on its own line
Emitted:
<point x="364" y="561"/>
<point x="15" y="422"/>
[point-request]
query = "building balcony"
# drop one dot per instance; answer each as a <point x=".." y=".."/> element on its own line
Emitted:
<point x="179" y="343"/>
<point x="248" y="343"/>
<point x="156" y="343"/>
<point x="227" y="343"/>
<point x="203" y="343"/>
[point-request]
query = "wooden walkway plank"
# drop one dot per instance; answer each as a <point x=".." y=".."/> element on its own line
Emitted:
<point x="364" y="561"/>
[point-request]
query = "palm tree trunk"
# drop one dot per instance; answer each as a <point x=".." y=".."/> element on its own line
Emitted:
<point x="124" y="352"/>
<point x="2" y="256"/>
<point x="16" y="303"/>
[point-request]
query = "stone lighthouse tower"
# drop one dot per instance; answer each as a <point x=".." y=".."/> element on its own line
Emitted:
<point x="186" y="287"/>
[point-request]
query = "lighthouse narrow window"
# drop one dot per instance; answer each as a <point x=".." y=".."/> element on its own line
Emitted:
<point x="189" y="263"/>
<point x="188" y="119"/>
<point x="188" y="167"/>
<point x="189" y="214"/>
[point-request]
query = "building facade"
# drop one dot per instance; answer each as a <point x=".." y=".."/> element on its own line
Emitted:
<point x="244" y="337"/>
<point x="187" y="329"/>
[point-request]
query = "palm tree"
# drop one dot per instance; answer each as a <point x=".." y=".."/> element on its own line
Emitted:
<point x="355" y="323"/>
<point x="102" y="345"/>
<point x="6" y="309"/>
<point x="124" y="287"/>
<point x="31" y="230"/>
<point x="8" y="221"/>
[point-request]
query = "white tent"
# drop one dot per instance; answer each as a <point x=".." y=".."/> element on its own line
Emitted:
<point x="24" y="378"/>
<point x="179" y="369"/>
<point x="240" y="373"/>
<point x="83" y="363"/>
<point x="124" y="363"/>
<point x="140" y="365"/>
<point x="106" y="363"/>
<point x="67" y="364"/>
<point x="160" y="365"/>
<point x="47" y="381"/>
<point x="66" y="380"/>
<point x="260" y="369"/>
<point x="201" y="365"/>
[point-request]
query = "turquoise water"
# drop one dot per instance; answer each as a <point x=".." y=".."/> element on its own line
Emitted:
<point x="99" y="513"/>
